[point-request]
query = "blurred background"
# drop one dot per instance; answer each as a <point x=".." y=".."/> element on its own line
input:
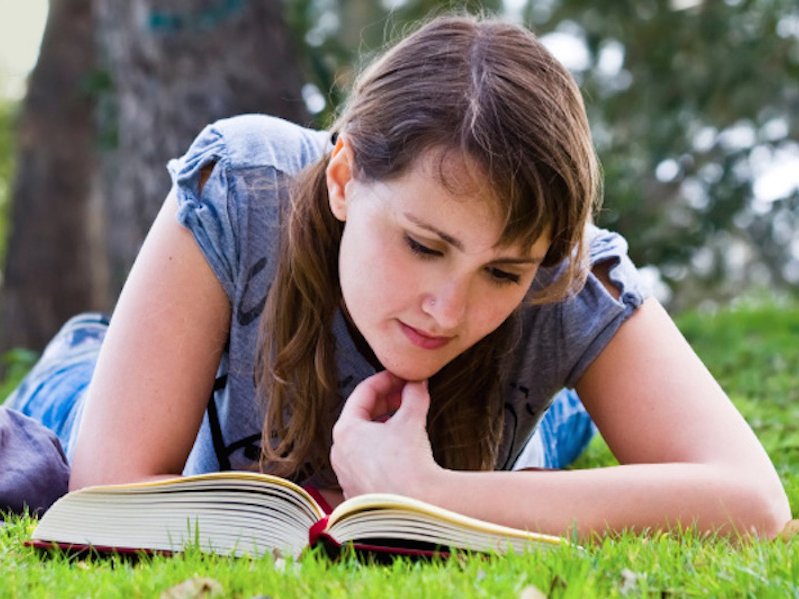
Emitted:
<point x="693" y="104"/>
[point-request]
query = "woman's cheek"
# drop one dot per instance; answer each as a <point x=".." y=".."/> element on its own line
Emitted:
<point x="502" y="307"/>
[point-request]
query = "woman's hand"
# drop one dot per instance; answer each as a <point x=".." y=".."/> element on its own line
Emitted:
<point x="380" y="443"/>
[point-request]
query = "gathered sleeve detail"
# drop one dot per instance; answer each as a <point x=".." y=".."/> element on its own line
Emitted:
<point x="209" y="213"/>
<point x="592" y="317"/>
<point x="558" y="341"/>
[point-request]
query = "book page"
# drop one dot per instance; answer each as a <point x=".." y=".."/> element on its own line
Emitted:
<point x="385" y="516"/>
<point x="210" y="479"/>
<point x="231" y="513"/>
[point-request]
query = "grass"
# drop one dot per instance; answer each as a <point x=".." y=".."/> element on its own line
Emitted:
<point x="14" y="364"/>
<point x="753" y="351"/>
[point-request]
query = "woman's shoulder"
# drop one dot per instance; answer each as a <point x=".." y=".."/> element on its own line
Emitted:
<point x="228" y="188"/>
<point x="258" y="140"/>
<point x="564" y="337"/>
<point x="607" y="250"/>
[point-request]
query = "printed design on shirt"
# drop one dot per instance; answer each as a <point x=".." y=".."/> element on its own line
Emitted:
<point x="521" y="388"/>
<point x="246" y="315"/>
<point x="509" y="442"/>
<point x="249" y="445"/>
<point x="513" y="424"/>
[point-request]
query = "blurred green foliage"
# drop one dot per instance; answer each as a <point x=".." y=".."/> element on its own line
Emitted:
<point x="688" y="106"/>
<point x="751" y="348"/>
<point x="14" y="365"/>
<point x="338" y="37"/>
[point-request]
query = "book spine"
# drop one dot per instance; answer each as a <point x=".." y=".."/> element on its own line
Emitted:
<point x="380" y="554"/>
<point x="319" y="498"/>
<point x="317" y="530"/>
<point x="85" y="550"/>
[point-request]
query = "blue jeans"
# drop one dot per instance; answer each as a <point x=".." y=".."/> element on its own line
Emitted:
<point x="53" y="393"/>
<point x="562" y="434"/>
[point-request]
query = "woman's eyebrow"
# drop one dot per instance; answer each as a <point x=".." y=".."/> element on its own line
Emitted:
<point x="519" y="260"/>
<point x="457" y="243"/>
<point x="444" y="236"/>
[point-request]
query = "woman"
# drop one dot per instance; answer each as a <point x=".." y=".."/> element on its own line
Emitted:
<point x="434" y="265"/>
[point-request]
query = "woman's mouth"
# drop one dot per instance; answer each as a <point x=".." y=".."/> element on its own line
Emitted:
<point x="421" y="339"/>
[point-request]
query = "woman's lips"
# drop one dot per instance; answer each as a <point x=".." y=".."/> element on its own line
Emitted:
<point x="421" y="340"/>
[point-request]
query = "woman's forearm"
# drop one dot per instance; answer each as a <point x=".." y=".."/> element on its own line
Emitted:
<point x="635" y="497"/>
<point x="715" y="476"/>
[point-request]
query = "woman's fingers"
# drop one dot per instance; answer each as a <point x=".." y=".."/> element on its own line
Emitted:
<point x="414" y="404"/>
<point x="373" y="397"/>
<point x="380" y="442"/>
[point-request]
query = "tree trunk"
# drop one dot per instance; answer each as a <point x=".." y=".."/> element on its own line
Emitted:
<point x="175" y="66"/>
<point x="48" y="276"/>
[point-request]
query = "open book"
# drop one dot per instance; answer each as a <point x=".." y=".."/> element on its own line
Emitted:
<point x="242" y="513"/>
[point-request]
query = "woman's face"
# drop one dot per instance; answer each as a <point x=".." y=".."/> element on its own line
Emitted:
<point x="421" y="274"/>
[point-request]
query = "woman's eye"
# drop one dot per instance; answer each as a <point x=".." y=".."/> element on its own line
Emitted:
<point x="498" y="276"/>
<point x="502" y="277"/>
<point x="419" y="249"/>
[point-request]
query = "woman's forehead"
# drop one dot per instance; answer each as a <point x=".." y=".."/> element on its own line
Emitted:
<point x="457" y="172"/>
<point x="467" y="217"/>
<point x="465" y="178"/>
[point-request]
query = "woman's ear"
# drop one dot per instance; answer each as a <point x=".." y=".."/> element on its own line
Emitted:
<point x="338" y="174"/>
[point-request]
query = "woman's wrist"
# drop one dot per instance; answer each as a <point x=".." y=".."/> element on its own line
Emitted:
<point x="430" y="485"/>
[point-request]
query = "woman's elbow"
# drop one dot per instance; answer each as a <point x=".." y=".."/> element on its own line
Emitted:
<point x="80" y="477"/>
<point x="776" y="513"/>
<point x="763" y="510"/>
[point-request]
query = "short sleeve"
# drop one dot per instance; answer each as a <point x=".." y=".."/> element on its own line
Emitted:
<point x="592" y="317"/>
<point x="207" y="212"/>
<point x="558" y="341"/>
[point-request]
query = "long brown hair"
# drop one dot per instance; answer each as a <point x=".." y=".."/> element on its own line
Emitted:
<point x="489" y="90"/>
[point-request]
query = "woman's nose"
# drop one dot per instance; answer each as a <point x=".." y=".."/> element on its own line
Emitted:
<point x="447" y="305"/>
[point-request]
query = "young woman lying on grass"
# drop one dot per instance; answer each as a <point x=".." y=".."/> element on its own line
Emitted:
<point x="392" y="306"/>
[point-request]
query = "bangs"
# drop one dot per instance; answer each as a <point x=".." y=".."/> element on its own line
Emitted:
<point x="519" y="206"/>
<point x="525" y="212"/>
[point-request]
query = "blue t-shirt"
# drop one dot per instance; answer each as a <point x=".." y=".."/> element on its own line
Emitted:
<point x="236" y="220"/>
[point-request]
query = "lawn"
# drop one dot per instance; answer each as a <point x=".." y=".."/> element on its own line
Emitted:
<point x="753" y="349"/>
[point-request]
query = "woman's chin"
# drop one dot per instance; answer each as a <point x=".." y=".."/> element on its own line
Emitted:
<point x="411" y="372"/>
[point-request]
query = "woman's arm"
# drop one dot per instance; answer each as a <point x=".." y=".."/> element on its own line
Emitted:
<point x="687" y="455"/>
<point x="157" y="365"/>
